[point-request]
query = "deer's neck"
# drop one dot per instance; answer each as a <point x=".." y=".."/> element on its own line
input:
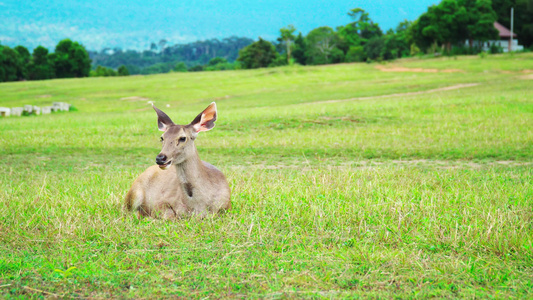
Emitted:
<point x="191" y="173"/>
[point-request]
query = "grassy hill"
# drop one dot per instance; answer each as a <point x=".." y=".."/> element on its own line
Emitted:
<point x="409" y="179"/>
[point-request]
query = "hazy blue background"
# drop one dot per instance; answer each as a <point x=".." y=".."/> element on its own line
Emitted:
<point x="134" y="24"/>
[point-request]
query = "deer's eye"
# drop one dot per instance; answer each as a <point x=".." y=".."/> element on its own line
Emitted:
<point x="162" y="139"/>
<point x="182" y="139"/>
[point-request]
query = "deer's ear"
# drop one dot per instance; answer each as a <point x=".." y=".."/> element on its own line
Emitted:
<point x="163" y="121"/>
<point x="205" y="120"/>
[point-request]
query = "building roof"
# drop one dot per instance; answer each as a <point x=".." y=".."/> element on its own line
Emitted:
<point x="503" y="32"/>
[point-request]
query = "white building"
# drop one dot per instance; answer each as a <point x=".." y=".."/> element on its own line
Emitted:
<point x="504" y="42"/>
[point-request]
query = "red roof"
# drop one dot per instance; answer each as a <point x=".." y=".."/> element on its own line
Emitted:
<point x="502" y="31"/>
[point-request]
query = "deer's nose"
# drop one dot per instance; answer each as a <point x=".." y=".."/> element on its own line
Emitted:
<point x="161" y="159"/>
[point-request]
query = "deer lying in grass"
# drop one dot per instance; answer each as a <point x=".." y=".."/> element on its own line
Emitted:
<point x="181" y="184"/>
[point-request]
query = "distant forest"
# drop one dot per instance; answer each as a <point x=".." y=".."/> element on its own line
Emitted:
<point x="447" y="28"/>
<point x="161" y="58"/>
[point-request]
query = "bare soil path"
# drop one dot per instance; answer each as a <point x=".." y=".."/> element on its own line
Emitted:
<point x="442" y="89"/>
<point x="415" y="70"/>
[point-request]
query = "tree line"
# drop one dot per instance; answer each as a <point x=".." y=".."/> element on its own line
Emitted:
<point x="449" y="27"/>
<point x="70" y="59"/>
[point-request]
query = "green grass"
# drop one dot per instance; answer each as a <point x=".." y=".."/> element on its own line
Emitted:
<point x="409" y="196"/>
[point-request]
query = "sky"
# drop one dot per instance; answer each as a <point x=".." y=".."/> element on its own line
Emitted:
<point x="134" y="24"/>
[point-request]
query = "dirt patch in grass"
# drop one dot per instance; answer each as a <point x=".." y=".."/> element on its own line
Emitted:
<point x="134" y="98"/>
<point x="526" y="71"/>
<point x="447" y="88"/>
<point x="527" y="77"/>
<point x="416" y="70"/>
<point x="222" y="98"/>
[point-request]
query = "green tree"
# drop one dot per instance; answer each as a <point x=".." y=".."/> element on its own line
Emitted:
<point x="375" y="48"/>
<point x="454" y="21"/>
<point x="349" y="36"/>
<point x="10" y="67"/>
<point x="322" y="47"/>
<point x="280" y="60"/>
<point x="442" y="24"/>
<point x="450" y="20"/>
<point x="300" y="48"/>
<point x="397" y="43"/>
<point x="480" y="20"/>
<point x="355" y="54"/>
<point x="217" y="60"/>
<point x="259" y="54"/>
<point x="71" y="60"/>
<point x="287" y="38"/>
<point x="24" y="56"/>
<point x="358" y="32"/>
<point x="40" y="66"/>
<point x="366" y="28"/>
<point x="102" y="72"/>
<point x="123" y="71"/>
<point x="422" y="39"/>
<point x="220" y="64"/>
<point x="180" y="67"/>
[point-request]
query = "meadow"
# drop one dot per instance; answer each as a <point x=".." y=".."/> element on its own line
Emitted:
<point x="411" y="179"/>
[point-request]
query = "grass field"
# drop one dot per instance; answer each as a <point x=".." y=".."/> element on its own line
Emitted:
<point x="411" y="179"/>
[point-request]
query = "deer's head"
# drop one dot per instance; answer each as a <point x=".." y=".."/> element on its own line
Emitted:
<point x="178" y="140"/>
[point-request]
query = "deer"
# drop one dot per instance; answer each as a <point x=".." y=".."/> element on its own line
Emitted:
<point x="180" y="184"/>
